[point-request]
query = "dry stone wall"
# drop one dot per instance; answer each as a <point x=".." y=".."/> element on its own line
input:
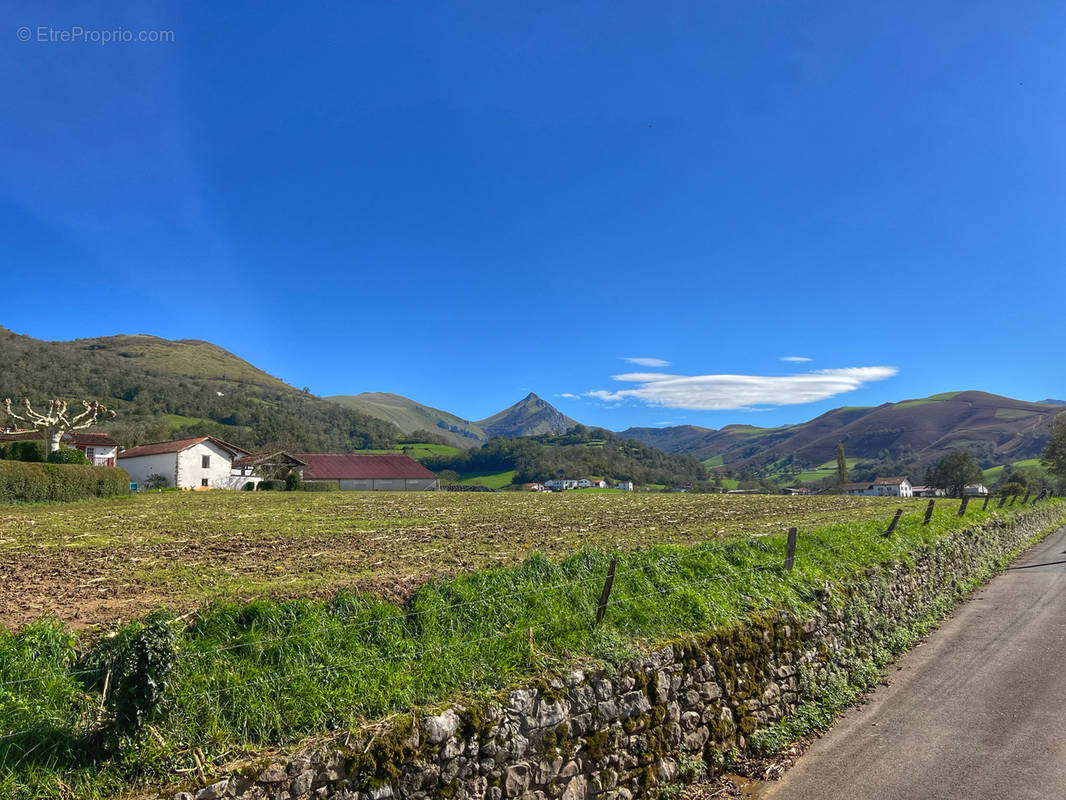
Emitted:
<point x="624" y="735"/>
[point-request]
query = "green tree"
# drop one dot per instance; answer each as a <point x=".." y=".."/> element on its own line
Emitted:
<point x="842" y="465"/>
<point x="1054" y="455"/>
<point x="955" y="470"/>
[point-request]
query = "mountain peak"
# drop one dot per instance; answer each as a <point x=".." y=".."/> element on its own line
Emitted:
<point x="530" y="416"/>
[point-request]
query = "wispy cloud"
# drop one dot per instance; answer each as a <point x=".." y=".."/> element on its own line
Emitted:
<point x="646" y="362"/>
<point x="796" y="359"/>
<point x="569" y="396"/>
<point x="731" y="392"/>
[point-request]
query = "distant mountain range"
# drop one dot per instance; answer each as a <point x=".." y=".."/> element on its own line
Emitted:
<point x="530" y="416"/>
<point x="188" y="387"/>
<point x="923" y="429"/>
<point x="162" y="388"/>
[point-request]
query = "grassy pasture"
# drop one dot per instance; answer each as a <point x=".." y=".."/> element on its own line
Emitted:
<point x="994" y="474"/>
<point x="419" y="450"/>
<point x="96" y="562"/>
<point x="493" y="480"/>
<point x="255" y="677"/>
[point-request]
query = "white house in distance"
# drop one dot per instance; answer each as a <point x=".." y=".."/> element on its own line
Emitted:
<point x="203" y="462"/>
<point x="975" y="490"/>
<point x="882" y="487"/>
<point x="560" y="484"/>
<point x="99" y="448"/>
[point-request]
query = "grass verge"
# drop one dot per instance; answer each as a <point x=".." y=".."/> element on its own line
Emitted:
<point x="241" y="678"/>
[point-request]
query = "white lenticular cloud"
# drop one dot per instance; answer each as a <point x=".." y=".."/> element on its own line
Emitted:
<point x="731" y="392"/>
<point x="647" y="362"/>
<point x="569" y="396"/>
<point x="796" y="359"/>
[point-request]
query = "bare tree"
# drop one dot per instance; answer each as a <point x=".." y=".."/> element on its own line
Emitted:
<point x="55" y="423"/>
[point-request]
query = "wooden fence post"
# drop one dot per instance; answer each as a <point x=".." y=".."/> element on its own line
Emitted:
<point x="790" y="549"/>
<point x="606" y="595"/>
<point x="929" y="512"/>
<point x="985" y="506"/>
<point x="965" y="502"/>
<point x="894" y="522"/>
<point x="1013" y="497"/>
<point x="1002" y="501"/>
<point x="1026" y="498"/>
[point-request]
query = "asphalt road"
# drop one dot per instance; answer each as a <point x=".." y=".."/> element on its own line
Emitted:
<point x="978" y="711"/>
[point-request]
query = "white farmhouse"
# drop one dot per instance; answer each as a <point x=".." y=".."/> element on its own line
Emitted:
<point x="99" y="448"/>
<point x="560" y="484"/>
<point x="203" y="462"/>
<point x="882" y="487"/>
<point x="893" y="487"/>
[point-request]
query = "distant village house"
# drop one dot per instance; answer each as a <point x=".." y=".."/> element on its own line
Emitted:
<point x="204" y="462"/>
<point x="99" y="448"/>
<point x="882" y="487"/>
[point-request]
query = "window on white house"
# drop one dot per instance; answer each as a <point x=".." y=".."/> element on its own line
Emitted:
<point x="205" y="462"/>
<point x="203" y="481"/>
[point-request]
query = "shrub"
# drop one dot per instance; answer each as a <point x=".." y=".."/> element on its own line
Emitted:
<point x="293" y="481"/>
<point x="136" y="665"/>
<point x="319" y="486"/>
<point x="248" y="487"/>
<point x="1012" y="488"/>
<point x="26" y="450"/>
<point x="37" y="483"/>
<point x="155" y="481"/>
<point x="67" y="455"/>
<point x="272" y="486"/>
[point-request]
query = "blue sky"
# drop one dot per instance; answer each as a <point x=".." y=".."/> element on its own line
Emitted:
<point x="464" y="202"/>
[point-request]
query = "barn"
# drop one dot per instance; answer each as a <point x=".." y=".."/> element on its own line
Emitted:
<point x="364" y="472"/>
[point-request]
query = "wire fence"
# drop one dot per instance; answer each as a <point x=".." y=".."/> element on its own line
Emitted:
<point x="779" y="560"/>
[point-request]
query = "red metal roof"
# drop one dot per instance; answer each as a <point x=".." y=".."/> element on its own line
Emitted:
<point x="177" y="446"/>
<point x="361" y="466"/>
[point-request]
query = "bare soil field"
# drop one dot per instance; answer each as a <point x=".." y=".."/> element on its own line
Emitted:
<point x="100" y="562"/>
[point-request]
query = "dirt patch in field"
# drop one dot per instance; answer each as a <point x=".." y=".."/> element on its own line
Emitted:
<point x="96" y="563"/>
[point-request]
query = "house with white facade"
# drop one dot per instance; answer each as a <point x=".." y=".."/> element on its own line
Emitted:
<point x="560" y="484"/>
<point x="99" y="448"/>
<point x="205" y="462"/>
<point x="625" y="486"/>
<point x="975" y="490"/>
<point x="881" y="487"/>
<point x="893" y="487"/>
<point x="927" y="491"/>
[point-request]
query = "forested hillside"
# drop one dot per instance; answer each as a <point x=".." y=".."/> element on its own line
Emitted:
<point x="916" y="432"/>
<point x="161" y="389"/>
<point x="581" y="452"/>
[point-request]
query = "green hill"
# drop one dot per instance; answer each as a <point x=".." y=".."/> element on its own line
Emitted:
<point x="410" y="416"/>
<point x="161" y="388"/>
<point x="530" y="416"/>
<point x="918" y="431"/>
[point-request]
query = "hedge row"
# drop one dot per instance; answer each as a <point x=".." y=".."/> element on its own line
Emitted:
<point x="22" y="482"/>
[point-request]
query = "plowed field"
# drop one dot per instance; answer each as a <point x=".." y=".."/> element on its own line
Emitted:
<point x="96" y="563"/>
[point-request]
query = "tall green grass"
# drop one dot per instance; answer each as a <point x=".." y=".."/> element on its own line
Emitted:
<point x="269" y="673"/>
